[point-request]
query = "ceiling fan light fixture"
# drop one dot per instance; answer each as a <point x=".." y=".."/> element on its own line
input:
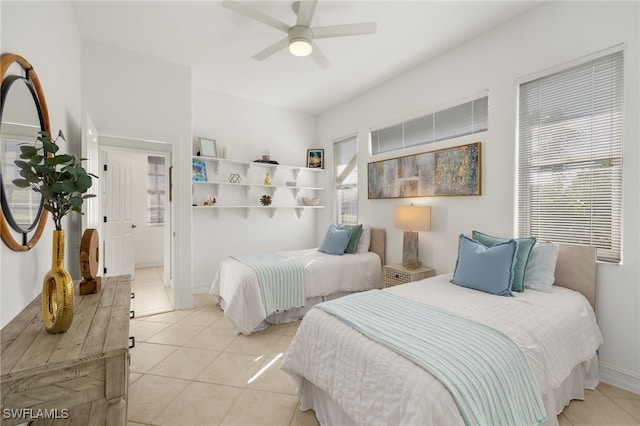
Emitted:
<point x="300" y="46"/>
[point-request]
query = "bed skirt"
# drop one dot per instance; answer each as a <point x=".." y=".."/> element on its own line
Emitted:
<point x="583" y="376"/>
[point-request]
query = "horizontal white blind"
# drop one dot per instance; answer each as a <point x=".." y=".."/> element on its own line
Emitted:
<point x="570" y="156"/>
<point x="464" y="119"/>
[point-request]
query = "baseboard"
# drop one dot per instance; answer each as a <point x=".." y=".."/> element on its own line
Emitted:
<point x="200" y="288"/>
<point x="619" y="378"/>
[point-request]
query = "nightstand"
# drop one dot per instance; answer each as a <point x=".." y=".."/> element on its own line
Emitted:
<point x="398" y="274"/>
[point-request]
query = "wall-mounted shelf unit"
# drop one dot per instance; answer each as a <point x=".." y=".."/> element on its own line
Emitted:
<point x="215" y="187"/>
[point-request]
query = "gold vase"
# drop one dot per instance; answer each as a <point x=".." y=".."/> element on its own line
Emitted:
<point x="57" y="291"/>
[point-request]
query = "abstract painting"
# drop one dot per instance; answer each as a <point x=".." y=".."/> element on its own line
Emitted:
<point x="445" y="172"/>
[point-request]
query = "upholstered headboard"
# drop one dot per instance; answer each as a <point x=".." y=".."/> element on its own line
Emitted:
<point x="378" y="243"/>
<point x="576" y="270"/>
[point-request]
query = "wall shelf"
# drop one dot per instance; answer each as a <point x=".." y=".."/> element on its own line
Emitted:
<point x="248" y="164"/>
<point x="270" y="188"/>
<point x="247" y="209"/>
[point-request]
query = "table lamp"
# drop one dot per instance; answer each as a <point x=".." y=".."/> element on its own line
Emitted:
<point x="411" y="219"/>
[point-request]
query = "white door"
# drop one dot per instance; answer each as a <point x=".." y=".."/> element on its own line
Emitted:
<point x="119" y="247"/>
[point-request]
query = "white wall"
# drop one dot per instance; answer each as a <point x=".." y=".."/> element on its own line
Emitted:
<point x="549" y="35"/>
<point x="246" y="128"/>
<point x="46" y="35"/>
<point x="136" y="97"/>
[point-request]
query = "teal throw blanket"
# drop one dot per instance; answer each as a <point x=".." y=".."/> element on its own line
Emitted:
<point x="281" y="280"/>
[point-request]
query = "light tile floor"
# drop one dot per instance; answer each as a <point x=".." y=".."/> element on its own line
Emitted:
<point x="189" y="367"/>
<point x="152" y="297"/>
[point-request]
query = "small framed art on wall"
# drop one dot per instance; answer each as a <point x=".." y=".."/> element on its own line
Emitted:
<point x="198" y="171"/>
<point x="315" y="158"/>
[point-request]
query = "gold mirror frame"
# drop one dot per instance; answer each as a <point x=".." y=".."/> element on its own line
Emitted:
<point x="6" y="61"/>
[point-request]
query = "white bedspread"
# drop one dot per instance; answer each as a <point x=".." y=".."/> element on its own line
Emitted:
<point x="236" y="285"/>
<point x="374" y="385"/>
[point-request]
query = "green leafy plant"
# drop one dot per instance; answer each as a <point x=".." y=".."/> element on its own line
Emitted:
<point x="60" y="178"/>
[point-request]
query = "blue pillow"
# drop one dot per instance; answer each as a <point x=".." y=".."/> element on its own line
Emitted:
<point x="336" y="240"/>
<point x="522" y="256"/>
<point x="488" y="269"/>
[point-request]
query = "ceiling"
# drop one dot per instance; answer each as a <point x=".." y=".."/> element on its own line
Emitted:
<point x="218" y="43"/>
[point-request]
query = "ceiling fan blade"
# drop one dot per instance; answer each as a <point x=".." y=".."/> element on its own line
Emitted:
<point x="318" y="56"/>
<point x="252" y="13"/>
<point x="344" y="30"/>
<point x="265" y="53"/>
<point x="306" y="9"/>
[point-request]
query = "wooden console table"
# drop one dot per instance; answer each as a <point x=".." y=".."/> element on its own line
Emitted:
<point x="80" y="376"/>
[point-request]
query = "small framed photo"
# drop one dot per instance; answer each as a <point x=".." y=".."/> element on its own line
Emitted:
<point x="198" y="171"/>
<point x="315" y="158"/>
<point x="208" y="148"/>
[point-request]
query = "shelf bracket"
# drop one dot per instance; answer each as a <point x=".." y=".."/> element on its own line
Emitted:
<point x="299" y="211"/>
<point x="295" y="172"/>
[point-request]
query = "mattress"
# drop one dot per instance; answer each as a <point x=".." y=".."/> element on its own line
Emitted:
<point x="373" y="385"/>
<point x="235" y="286"/>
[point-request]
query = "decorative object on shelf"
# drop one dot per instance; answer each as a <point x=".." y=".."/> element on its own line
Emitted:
<point x="265" y="200"/>
<point x="315" y="158"/>
<point x="208" y="148"/>
<point x="267" y="179"/>
<point x="274" y="162"/>
<point x="292" y="183"/>
<point x="89" y="260"/>
<point x="411" y="218"/>
<point x="211" y="201"/>
<point x="198" y="171"/>
<point x="310" y="201"/>
<point x="266" y="155"/>
<point x="63" y="183"/>
<point x="234" y="178"/>
<point x="449" y="171"/>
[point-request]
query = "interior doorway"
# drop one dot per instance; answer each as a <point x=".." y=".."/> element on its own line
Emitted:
<point x="137" y="219"/>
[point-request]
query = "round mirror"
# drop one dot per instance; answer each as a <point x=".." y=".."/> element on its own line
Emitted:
<point x="23" y="114"/>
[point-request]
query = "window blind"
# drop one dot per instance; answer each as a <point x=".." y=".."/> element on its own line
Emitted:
<point x="464" y="119"/>
<point x="155" y="189"/>
<point x="569" y="174"/>
<point x="346" y="172"/>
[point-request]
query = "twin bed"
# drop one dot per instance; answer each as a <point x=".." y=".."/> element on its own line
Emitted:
<point x="348" y="378"/>
<point x="235" y="287"/>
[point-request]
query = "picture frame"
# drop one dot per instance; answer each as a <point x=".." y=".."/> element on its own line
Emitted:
<point x="315" y="158"/>
<point x="445" y="172"/>
<point x="198" y="171"/>
<point x="208" y="148"/>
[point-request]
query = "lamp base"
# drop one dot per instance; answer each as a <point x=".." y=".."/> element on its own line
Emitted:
<point x="410" y="250"/>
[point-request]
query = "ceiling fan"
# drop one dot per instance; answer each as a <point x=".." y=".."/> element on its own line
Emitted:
<point x="300" y="37"/>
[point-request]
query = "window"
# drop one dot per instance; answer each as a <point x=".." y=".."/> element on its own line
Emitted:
<point x="570" y="156"/>
<point x="464" y="119"/>
<point x="155" y="190"/>
<point x="345" y="154"/>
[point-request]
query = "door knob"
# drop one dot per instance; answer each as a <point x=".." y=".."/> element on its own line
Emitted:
<point x="133" y="226"/>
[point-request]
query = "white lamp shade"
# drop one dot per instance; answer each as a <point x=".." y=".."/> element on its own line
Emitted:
<point x="300" y="47"/>
<point x="412" y="218"/>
